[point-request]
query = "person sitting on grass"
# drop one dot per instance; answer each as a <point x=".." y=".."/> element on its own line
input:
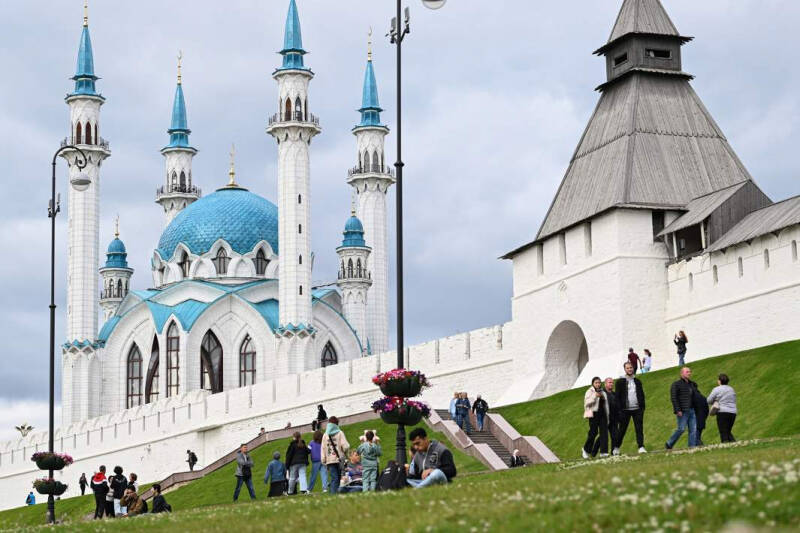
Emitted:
<point x="275" y="475"/>
<point x="132" y="502"/>
<point x="432" y="463"/>
<point x="370" y="451"/>
<point x="352" y="479"/>
<point x="160" y="505"/>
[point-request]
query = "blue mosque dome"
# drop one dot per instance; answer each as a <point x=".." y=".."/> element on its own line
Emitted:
<point x="353" y="232"/>
<point x="116" y="255"/>
<point x="116" y="247"/>
<point x="232" y="213"/>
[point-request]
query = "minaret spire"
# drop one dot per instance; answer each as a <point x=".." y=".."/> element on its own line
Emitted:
<point x="85" y="13"/>
<point x="180" y="56"/>
<point x="232" y="170"/>
<point x="292" y="51"/>
<point x="116" y="227"/>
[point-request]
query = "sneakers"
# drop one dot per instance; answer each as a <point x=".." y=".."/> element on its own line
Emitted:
<point x="667" y="446"/>
<point x="584" y="454"/>
<point x="615" y="451"/>
<point x="642" y="450"/>
<point x="603" y="455"/>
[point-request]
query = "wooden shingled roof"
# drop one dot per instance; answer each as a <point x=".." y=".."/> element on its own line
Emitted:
<point x="642" y="16"/>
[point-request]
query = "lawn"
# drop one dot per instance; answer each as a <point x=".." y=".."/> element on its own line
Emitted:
<point x="762" y="378"/>
<point x="752" y="482"/>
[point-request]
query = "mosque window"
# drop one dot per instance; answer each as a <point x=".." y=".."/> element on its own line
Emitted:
<point x="119" y="288"/>
<point x="375" y="162"/>
<point x="299" y="228"/>
<point x="134" y="381"/>
<point x="221" y="262"/>
<point x="300" y="260"/>
<point x="349" y="268"/>
<point x="247" y="363"/>
<point x="299" y="198"/>
<point x="298" y="109"/>
<point x="329" y="356"/>
<point x="184" y="264"/>
<point x="96" y="138"/>
<point x="305" y="109"/>
<point x="301" y="290"/>
<point x="358" y="268"/>
<point x="288" y="111"/>
<point x="173" y="360"/>
<point x="366" y="162"/>
<point x="88" y="133"/>
<point x="741" y="267"/>
<point x="260" y="262"/>
<point x="151" y="385"/>
<point x="78" y="133"/>
<point x="183" y="181"/>
<point x="211" y="363"/>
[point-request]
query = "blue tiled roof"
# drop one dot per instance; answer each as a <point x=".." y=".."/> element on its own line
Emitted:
<point x="116" y="255"/>
<point x="269" y="310"/>
<point x="84" y="73"/>
<point x="241" y="218"/>
<point x="353" y="233"/>
<point x="179" y="127"/>
<point x="292" y="41"/>
<point x="370" y="107"/>
<point x="107" y="328"/>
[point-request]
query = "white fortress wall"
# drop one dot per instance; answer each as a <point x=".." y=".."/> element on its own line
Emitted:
<point x="152" y="440"/>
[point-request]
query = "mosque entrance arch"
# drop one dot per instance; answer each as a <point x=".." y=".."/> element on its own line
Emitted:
<point x="565" y="357"/>
<point x="211" y="363"/>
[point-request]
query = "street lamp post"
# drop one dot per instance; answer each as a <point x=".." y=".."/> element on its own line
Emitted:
<point x="79" y="183"/>
<point x="397" y="33"/>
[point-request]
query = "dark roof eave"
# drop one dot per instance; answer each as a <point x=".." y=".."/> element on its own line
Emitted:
<point x="643" y="70"/>
<point x="603" y="49"/>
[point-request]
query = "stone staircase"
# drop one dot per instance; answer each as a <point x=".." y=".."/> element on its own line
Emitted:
<point x="485" y="437"/>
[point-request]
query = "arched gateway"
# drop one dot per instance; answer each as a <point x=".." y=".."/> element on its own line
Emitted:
<point x="565" y="356"/>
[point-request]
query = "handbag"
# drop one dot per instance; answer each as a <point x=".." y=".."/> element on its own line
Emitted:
<point x="342" y="462"/>
<point x="714" y="408"/>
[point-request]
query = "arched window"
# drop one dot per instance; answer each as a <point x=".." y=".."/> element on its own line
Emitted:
<point x="211" y="363"/>
<point x="715" y="273"/>
<point x="173" y="183"/>
<point x="366" y="162"/>
<point x="184" y="263"/>
<point x="358" y="268"/>
<point x="298" y="109"/>
<point x="766" y="258"/>
<point x="305" y="109"/>
<point x="349" y="268"/>
<point x="375" y="162"/>
<point x="741" y="267"/>
<point x="329" y="356"/>
<point x="78" y="134"/>
<point x="183" y="181"/>
<point x="173" y="360"/>
<point x="288" y="111"/>
<point x="119" y="288"/>
<point x="151" y="385"/>
<point x="247" y="362"/>
<point x="88" y="133"/>
<point x="260" y="262"/>
<point x="794" y="250"/>
<point x="96" y="138"/>
<point x="134" y="380"/>
<point x="221" y="261"/>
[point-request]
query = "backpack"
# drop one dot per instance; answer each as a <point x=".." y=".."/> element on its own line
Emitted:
<point x="193" y="458"/>
<point x="393" y="477"/>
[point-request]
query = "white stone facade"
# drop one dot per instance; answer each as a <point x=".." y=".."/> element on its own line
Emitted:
<point x="354" y="282"/>
<point x="178" y="190"/>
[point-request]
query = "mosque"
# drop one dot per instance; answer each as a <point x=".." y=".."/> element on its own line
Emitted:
<point x="232" y="302"/>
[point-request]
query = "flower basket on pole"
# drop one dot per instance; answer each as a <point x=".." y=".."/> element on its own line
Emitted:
<point x="51" y="461"/>
<point x="49" y="486"/>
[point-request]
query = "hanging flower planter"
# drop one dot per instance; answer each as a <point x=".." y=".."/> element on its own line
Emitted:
<point x="51" y="461"/>
<point x="401" y="382"/>
<point x="49" y="486"/>
<point x="398" y="410"/>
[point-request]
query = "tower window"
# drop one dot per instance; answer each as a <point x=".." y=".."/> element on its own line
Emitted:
<point x="587" y="238"/>
<point x="658" y="54"/>
<point x="299" y="198"/>
<point x="794" y="250"/>
<point x="96" y="138"/>
<point x="691" y="282"/>
<point x="540" y="259"/>
<point x="88" y="133"/>
<point x="358" y="268"/>
<point x="119" y="288"/>
<point x="301" y="290"/>
<point x="658" y="222"/>
<point x="247" y="362"/>
<point x="134" y="381"/>
<point x="260" y="262"/>
<point x="766" y="258"/>
<point x="299" y="228"/>
<point x="715" y="274"/>
<point x="300" y="260"/>
<point x="78" y="133"/>
<point x="298" y="109"/>
<point x="183" y="181"/>
<point x="375" y="162"/>
<point x="221" y="261"/>
<point x="741" y="267"/>
<point x="562" y="248"/>
<point x="288" y="111"/>
<point x="620" y="59"/>
<point x="349" y="268"/>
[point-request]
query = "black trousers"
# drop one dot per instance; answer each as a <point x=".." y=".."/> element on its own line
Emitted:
<point x="99" y="505"/>
<point x="638" y="422"/>
<point x="83" y="490"/>
<point x="110" y="509"/>
<point x="725" y="425"/>
<point x="597" y="438"/>
<point x="613" y="430"/>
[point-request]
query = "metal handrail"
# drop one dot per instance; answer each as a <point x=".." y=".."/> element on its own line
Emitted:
<point x="102" y="143"/>
<point x="371" y="168"/>
<point x="296" y="117"/>
<point x="171" y="189"/>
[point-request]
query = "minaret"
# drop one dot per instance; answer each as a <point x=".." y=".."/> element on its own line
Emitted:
<point x="371" y="178"/>
<point x="354" y="278"/>
<point x="178" y="191"/>
<point x="84" y="206"/>
<point x="116" y="275"/>
<point x="293" y="127"/>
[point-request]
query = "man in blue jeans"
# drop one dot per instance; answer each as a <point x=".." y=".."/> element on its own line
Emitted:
<point x="681" y="393"/>
<point x="244" y="473"/>
<point x="432" y="463"/>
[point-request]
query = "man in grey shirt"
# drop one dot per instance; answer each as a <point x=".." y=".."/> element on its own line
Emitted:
<point x="244" y="473"/>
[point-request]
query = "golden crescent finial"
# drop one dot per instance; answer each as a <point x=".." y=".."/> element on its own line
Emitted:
<point x="369" y="44"/>
<point x="180" y="56"/>
<point x="85" y="12"/>
<point x="116" y="227"/>
<point x="232" y="171"/>
<point x="352" y="203"/>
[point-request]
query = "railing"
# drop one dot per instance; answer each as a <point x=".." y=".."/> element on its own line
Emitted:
<point x="102" y="143"/>
<point x="113" y="293"/>
<point x="355" y="275"/>
<point x="296" y="117"/>
<point x="172" y="189"/>
<point x="370" y="169"/>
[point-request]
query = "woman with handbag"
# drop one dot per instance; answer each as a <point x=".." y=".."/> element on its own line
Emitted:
<point x="723" y="405"/>
<point x="595" y="409"/>
<point x="334" y="453"/>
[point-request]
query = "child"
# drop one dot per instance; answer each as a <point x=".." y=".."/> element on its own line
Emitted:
<point x="370" y="451"/>
<point x="353" y="474"/>
<point x="276" y="476"/>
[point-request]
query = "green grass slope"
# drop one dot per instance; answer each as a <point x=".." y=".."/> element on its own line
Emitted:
<point x="763" y="378"/>
<point x="217" y="487"/>
<point x="754" y="483"/>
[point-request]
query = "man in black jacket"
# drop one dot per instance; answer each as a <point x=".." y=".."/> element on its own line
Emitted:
<point x="99" y="485"/>
<point x="613" y="411"/>
<point x="682" y="395"/>
<point x="432" y="463"/>
<point x="630" y="400"/>
<point x="160" y="505"/>
<point x="480" y="408"/>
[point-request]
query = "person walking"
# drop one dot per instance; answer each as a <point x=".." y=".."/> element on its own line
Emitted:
<point x="317" y="468"/>
<point x="191" y="458"/>
<point x="275" y="475"/>
<point x="633" y="358"/>
<point x="82" y="483"/>
<point x="31" y="499"/>
<point x="99" y="486"/>
<point x="681" y="340"/>
<point x="647" y="361"/>
<point x="334" y="452"/>
<point x="244" y="473"/>
<point x="160" y="505"/>
<point x="722" y="400"/>
<point x="118" y="483"/>
<point x="480" y="408"/>
<point x="462" y="409"/>
<point x="613" y="411"/>
<point x="681" y="394"/>
<point x="595" y="409"/>
<point x="297" y="462"/>
<point x="432" y="463"/>
<point x="631" y="400"/>
<point x="370" y="451"/>
<point x="700" y="405"/>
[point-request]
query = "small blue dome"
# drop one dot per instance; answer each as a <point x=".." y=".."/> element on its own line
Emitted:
<point x="116" y="247"/>
<point x="353" y="232"/>
<point x="116" y="255"/>
<point x="233" y="214"/>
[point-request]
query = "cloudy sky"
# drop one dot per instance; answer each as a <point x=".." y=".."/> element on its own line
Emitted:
<point x="496" y="96"/>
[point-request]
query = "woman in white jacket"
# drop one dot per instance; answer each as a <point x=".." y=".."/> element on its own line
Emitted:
<point x="595" y="409"/>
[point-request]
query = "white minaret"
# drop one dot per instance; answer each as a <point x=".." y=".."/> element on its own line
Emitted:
<point x="116" y="276"/>
<point x="177" y="191"/>
<point x="371" y="179"/>
<point x="354" y="279"/>
<point x="293" y="127"/>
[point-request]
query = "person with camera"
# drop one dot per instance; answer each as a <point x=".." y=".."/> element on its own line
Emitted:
<point x="244" y="473"/>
